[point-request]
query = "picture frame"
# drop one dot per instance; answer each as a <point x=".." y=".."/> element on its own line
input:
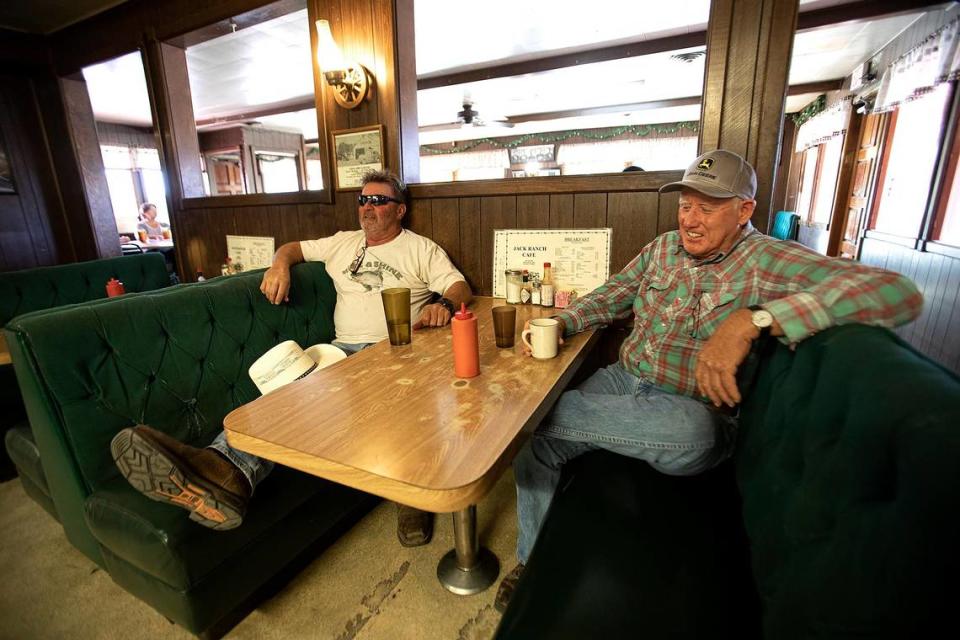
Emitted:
<point x="355" y="152"/>
<point x="534" y="153"/>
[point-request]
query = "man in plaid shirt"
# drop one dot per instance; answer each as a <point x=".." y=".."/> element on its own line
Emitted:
<point x="700" y="296"/>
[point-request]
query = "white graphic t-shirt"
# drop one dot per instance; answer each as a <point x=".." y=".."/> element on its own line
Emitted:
<point x="408" y="260"/>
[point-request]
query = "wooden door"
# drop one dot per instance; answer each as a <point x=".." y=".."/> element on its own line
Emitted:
<point x="852" y="218"/>
<point x="227" y="179"/>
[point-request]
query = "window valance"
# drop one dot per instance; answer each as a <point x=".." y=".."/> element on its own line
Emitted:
<point x="922" y="68"/>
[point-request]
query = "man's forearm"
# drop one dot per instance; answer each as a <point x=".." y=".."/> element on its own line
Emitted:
<point x="458" y="293"/>
<point x="288" y="255"/>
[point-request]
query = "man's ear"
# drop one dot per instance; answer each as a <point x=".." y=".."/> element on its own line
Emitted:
<point x="401" y="211"/>
<point x="746" y="210"/>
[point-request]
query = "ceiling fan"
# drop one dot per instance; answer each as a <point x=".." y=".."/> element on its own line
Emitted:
<point x="468" y="117"/>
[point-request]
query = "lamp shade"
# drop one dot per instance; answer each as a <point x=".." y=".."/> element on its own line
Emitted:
<point x="328" y="53"/>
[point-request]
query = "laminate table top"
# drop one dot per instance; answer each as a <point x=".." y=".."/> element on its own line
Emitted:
<point x="396" y="422"/>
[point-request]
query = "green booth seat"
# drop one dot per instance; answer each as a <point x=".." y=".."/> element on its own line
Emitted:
<point x="836" y="518"/>
<point x="46" y="288"/>
<point x="177" y="360"/>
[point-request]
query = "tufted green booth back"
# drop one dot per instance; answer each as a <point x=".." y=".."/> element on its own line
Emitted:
<point x="175" y="359"/>
<point x="46" y="287"/>
<point x="848" y="463"/>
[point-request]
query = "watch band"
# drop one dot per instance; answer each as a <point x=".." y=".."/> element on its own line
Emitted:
<point x="448" y="305"/>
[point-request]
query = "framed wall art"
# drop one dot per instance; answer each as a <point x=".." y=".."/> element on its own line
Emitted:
<point x="356" y="151"/>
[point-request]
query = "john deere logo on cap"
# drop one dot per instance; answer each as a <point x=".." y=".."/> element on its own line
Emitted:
<point x="706" y="163"/>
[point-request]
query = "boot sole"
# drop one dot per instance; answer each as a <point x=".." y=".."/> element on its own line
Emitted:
<point x="151" y="470"/>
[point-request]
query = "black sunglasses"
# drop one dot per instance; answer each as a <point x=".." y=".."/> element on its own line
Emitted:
<point x="377" y="200"/>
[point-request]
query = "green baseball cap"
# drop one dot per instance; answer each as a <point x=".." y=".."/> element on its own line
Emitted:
<point x="720" y="174"/>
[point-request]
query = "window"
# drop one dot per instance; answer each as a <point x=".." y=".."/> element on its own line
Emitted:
<point x="133" y="177"/>
<point x="278" y="172"/>
<point x="910" y="161"/>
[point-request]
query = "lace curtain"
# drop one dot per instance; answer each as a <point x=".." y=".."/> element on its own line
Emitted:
<point x="827" y="124"/>
<point x="933" y="61"/>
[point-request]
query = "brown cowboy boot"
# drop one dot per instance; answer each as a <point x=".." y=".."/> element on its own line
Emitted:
<point x="203" y="482"/>
<point x="507" y="586"/>
<point x="414" y="527"/>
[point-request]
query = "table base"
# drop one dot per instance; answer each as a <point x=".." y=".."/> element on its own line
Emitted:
<point x="468" y="568"/>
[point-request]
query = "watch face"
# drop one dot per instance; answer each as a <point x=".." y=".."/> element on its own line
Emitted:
<point x="762" y="318"/>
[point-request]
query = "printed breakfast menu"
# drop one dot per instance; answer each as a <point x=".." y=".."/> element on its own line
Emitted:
<point x="580" y="258"/>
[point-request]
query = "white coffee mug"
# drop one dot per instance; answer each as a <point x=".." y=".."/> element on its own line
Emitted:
<point x="544" y="334"/>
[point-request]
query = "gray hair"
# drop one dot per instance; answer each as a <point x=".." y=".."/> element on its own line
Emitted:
<point x="146" y="206"/>
<point x="384" y="176"/>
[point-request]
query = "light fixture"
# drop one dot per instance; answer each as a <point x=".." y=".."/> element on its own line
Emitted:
<point x="351" y="82"/>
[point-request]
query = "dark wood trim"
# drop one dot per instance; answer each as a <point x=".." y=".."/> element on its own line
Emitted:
<point x="860" y="11"/>
<point x="325" y="195"/>
<point x="615" y="108"/>
<point x="601" y="183"/>
<point x="276" y="9"/>
<point x="23" y="50"/>
<point x="406" y="87"/>
<point x="844" y="190"/>
<point x="945" y="171"/>
<point x="257" y="200"/>
<point x="877" y="187"/>
<point x="824" y="86"/>
<point x="815" y="187"/>
<point x="547" y="63"/>
<point x="294" y="104"/>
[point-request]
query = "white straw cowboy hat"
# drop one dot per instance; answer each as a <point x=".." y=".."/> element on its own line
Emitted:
<point x="287" y="362"/>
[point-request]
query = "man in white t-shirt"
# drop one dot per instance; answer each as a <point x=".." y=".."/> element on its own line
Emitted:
<point x="219" y="479"/>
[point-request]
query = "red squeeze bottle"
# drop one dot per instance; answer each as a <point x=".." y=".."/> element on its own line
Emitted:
<point x="115" y="288"/>
<point x="466" y="343"/>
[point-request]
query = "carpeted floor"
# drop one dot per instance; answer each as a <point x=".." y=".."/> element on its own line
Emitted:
<point x="366" y="586"/>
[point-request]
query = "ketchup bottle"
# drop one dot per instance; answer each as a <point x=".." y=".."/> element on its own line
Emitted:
<point x="466" y="343"/>
<point x="115" y="288"/>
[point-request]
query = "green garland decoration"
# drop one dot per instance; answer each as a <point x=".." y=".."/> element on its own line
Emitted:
<point x="814" y="108"/>
<point x="639" y="130"/>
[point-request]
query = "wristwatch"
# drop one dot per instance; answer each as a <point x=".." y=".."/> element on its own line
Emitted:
<point x="447" y="304"/>
<point x="761" y="319"/>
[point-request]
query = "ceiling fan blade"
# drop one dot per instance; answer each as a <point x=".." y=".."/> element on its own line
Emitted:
<point x="446" y="126"/>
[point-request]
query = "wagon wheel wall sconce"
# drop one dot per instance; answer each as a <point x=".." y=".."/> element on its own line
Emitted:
<point x="351" y="82"/>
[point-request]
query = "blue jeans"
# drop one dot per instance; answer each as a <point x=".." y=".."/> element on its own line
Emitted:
<point x="619" y="412"/>
<point x="256" y="469"/>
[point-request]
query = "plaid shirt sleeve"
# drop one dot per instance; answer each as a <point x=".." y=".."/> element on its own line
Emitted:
<point x="610" y="301"/>
<point x="827" y="292"/>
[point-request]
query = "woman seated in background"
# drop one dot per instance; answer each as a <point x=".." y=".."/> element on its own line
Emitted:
<point x="148" y="224"/>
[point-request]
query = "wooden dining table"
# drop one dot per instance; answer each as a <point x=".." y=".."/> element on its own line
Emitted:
<point x="395" y="421"/>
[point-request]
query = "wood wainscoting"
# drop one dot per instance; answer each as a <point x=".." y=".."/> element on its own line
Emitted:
<point x="936" y="332"/>
<point x="460" y="217"/>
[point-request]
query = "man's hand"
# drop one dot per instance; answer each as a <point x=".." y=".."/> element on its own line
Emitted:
<point x="717" y="362"/>
<point x="433" y="315"/>
<point x="276" y="284"/>
<point x="526" y="326"/>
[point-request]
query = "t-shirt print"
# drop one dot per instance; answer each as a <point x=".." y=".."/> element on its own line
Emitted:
<point x="374" y="274"/>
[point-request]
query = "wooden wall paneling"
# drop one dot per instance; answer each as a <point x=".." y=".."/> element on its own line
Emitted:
<point x="589" y="210"/>
<point x="561" y="211"/>
<point x="778" y="201"/>
<point x="356" y="40"/>
<point x="90" y="217"/>
<point x="419" y="217"/>
<point x="749" y="43"/>
<point x="29" y="217"/>
<point x="669" y="204"/>
<point x="384" y="50"/>
<point x="938" y="269"/>
<point x="346" y="211"/>
<point x="323" y="108"/>
<point x="405" y="64"/>
<point x="471" y="259"/>
<point x="496" y="212"/>
<point x="446" y="227"/>
<point x="633" y="218"/>
<point x="946" y="327"/>
<point x="533" y="212"/>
